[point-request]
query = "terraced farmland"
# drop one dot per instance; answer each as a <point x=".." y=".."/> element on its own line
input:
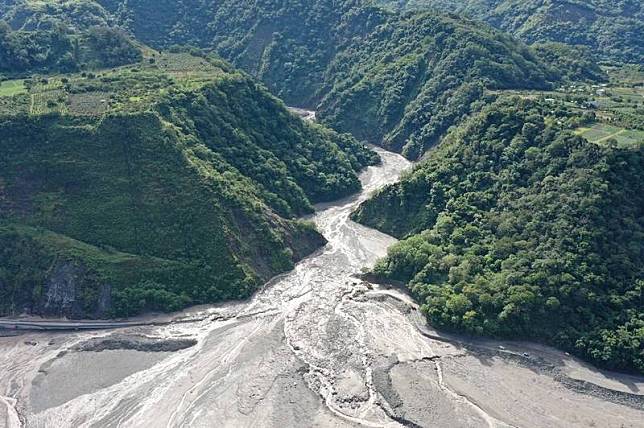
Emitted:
<point x="602" y="133"/>
<point x="89" y="103"/>
<point x="50" y="101"/>
<point x="119" y="89"/>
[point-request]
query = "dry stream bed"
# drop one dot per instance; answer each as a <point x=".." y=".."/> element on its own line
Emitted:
<point x="315" y="347"/>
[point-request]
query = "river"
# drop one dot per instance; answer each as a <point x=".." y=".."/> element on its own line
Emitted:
<point x="315" y="347"/>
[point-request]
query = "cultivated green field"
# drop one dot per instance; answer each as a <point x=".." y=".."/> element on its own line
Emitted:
<point x="10" y="88"/>
<point x="602" y="133"/>
<point x="122" y="88"/>
<point x="610" y="111"/>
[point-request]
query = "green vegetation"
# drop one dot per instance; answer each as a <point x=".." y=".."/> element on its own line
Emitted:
<point x="515" y="227"/>
<point x="602" y="133"/>
<point x="401" y="79"/>
<point x="411" y="79"/>
<point x="397" y="80"/>
<point x="612" y="28"/>
<point x="60" y="36"/>
<point x="134" y="179"/>
<point x="10" y="88"/>
<point x="571" y="63"/>
<point x="170" y="182"/>
<point x="610" y="112"/>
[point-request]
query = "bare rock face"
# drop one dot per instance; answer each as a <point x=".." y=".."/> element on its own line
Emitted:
<point x="104" y="300"/>
<point x="61" y="290"/>
<point x="62" y="294"/>
<point x="68" y="289"/>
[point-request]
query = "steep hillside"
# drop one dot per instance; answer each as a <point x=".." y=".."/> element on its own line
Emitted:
<point x="611" y="28"/>
<point x="515" y="227"/>
<point x="381" y="76"/>
<point x="155" y="186"/>
<point x="60" y="36"/>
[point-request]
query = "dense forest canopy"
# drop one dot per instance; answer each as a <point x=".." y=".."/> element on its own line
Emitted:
<point x="515" y="227"/>
<point x="61" y="36"/>
<point x="159" y="185"/>
<point x="612" y="28"/>
<point x="400" y="80"/>
<point x="382" y="76"/>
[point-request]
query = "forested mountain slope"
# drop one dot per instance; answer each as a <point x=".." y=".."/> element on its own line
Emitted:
<point x="396" y="80"/>
<point x="515" y="227"/>
<point x="382" y="76"/>
<point x="151" y="187"/>
<point x="177" y="180"/>
<point x="612" y="28"/>
<point x="61" y="36"/>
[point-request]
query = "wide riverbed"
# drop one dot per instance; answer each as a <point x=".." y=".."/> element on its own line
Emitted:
<point x="315" y="347"/>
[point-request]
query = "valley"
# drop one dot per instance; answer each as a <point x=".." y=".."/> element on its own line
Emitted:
<point x="317" y="347"/>
<point x="177" y="149"/>
<point x="331" y="213"/>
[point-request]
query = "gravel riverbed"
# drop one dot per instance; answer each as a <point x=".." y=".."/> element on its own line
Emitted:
<point x="315" y="347"/>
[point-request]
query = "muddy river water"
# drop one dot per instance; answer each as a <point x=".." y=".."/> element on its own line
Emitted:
<point x="315" y="347"/>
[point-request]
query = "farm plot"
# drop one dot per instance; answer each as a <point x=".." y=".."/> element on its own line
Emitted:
<point x="11" y="88"/>
<point x="48" y="85"/>
<point x="49" y="102"/>
<point x="600" y="133"/>
<point x="89" y="103"/>
<point x="185" y="66"/>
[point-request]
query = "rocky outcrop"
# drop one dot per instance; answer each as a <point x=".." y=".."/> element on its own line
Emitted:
<point x="60" y="297"/>
<point x="72" y="291"/>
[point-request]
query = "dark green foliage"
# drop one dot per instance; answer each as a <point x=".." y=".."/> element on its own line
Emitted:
<point x="30" y="15"/>
<point x="611" y="28"/>
<point x="413" y="78"/>
<point x="397" y="80"/>
<point x="29" y="255"/>
<point x="187" y="202"/>
<point x="289" y="173"/>
<point x="572" y="63"/>
<point x="23" y="52"/>
<point x="60" y="37"/>
<point x="514" y="227"/>
<point x="35" y="50"/>
<point x="110" y="48"/>
<point x="381" y="76"/>
<point x="287" y="44"/>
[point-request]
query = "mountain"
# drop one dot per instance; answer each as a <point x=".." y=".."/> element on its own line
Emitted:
<point x="173" y="179"/>
<point x="170" y="182"/>
<point x="515" y="227"/>
<point x="392" y="79"/>
<point x="61" y="36"/>
<point x="149" y="180"/>
<point x="398" y="80"/>
<point x="611" y="28"/>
